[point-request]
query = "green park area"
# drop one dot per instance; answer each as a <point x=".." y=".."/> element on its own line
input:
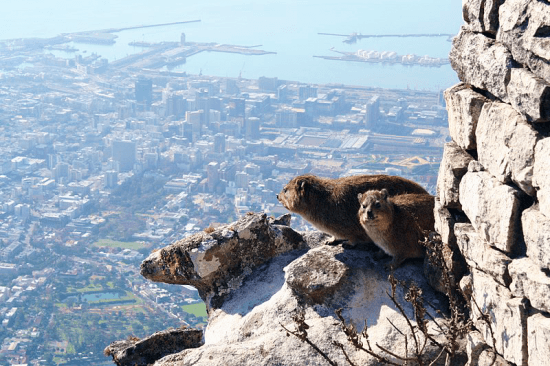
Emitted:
<point x="198" y="309"/>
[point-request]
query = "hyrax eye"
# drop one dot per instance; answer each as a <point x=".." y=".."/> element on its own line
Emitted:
<point x="377" y="205"/>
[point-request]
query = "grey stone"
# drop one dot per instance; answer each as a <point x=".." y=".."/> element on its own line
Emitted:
<point x="493" y="209"/>
<point x="506" y="145"/>
<point x="541" y="175"/>
<point x="490" y="358"/>
<point x="538" y="326"/>
<point x="481" y="15"/>
<point x="216" y="263"/>
<point x="317" y="274"/>
<point x="529" y="281"/>
<point x="444" y="224"/>
<point x="481" y="62"/>
<point x="524" y="30"/>
<point x="507" y="317"/>
<point x="482" y="256"/>
<point x="143" y="352"/>
<point x="474" y="347"/>
<point x="529" y="95"/>
<point x="463" y="107"/>
<point x="536" y="232"/>
<point x="454" y="165"/>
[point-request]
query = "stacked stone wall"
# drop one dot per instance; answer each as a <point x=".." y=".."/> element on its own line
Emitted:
<point x="493" y="191"/>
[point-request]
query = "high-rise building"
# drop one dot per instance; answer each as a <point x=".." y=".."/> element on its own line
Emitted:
<point x="307" y="91"/>
<point x="372" y="112"/>
<point x="252" y="131"/>
<point x="124" y="152"/>
<point x="213" y="176"/>
<point x="144" y="92"/>
<point x="219" y="143"/>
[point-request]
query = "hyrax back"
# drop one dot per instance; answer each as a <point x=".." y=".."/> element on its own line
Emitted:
<point x="331" y="205"/>
<point x="396" y="224"/>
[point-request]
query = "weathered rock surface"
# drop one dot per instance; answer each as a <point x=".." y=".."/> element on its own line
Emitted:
<point x="538" y="327"/>
<point x="481" y="62"/>
<point x="493" y="209"/>
<point x="524" y="28"/>
<point x="454" y="165"/>
<point x="529" y="281"/>
<point x="132" y="352"/>
<point x="463" y="107"/>
<point x="245" y="325"/>
<point x="481" y="15"/>
<point x="216" y="263"/>
<point x="529" y="95"/>
<point x="536" y="231"/>
<point x="505" y="145"/>
<point x="507" y="317"/>
<point x="480" y="255"/>
<point x="541" y="174"/>
<point x="444" y="224"/>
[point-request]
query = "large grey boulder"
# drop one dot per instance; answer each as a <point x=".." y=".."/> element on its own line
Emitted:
<point x="506" y="145"/>
<point x="480" y="255"/>
<point x="541" y="175"/>
<point x="295" y="275"/>
<point x="536" y="232"/>
<point x="493" y="208"/>
<point x="524" y="31"/>
<point x="481" y="15"/>
<point x="507" y="317"/>
<point x="216" y="263"/>
<point x="529" y="95"/>
<point x="538" y="326"/>
<point x="134" y="351"/>
<point x="454" y="165"/>
<point x="529" y="281"/>
<point x="463" y="107"/>
<point x="480" y="61"/>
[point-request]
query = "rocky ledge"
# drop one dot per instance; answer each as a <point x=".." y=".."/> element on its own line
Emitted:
<point x="257" y="276"/>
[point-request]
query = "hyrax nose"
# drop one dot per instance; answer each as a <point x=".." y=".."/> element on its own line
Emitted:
<point x="370" y="215"/>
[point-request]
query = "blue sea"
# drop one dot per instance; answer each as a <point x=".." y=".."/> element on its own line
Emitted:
<point x="288" y="27"/>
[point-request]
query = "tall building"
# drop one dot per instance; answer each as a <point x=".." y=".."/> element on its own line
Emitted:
<point x="213" y="176"/>
<point x="144" y="92"/>
<point x="372" y="110"/>
<point x="307" y="91"/>
<point x="219" y="143"/>
<point x="252" y="131"/>
<point x="124" y="152"/>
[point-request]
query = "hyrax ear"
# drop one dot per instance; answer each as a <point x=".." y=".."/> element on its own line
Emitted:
<point x="302" y="185"/>
<point x="359" y="196"/>
<point x="384" y="193"/>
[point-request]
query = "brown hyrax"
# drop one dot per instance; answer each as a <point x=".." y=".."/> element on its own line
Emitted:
<point x="396" y="224"/>
<point x="331" y="205"/>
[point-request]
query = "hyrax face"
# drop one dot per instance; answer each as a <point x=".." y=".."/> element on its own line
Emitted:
<point x="294" y="195"/>
<point x="375" y="210"/>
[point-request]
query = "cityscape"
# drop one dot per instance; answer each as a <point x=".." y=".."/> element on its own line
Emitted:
<point x="103" y="162"/>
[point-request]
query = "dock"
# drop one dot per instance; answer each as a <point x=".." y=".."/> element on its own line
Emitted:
<point x="354" y="37"/>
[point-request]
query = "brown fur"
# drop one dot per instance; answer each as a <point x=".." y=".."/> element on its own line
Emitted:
<point x="396" y="224"/>
<point x="331" y="205"/>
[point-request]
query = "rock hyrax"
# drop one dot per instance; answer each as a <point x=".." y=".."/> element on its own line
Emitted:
<point x="396" y="224"/>
<point x="331" y="205"/>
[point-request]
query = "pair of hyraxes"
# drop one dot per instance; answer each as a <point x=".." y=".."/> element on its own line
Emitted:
<point x="393" y="212"/>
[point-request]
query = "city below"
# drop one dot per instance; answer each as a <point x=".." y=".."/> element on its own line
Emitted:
<point x="102" y="162"/>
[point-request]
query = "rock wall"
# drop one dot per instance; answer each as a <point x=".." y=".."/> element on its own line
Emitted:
<point x="493" y="191"/>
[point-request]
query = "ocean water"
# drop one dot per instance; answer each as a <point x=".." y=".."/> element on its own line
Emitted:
<point x="288" y="27"/>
